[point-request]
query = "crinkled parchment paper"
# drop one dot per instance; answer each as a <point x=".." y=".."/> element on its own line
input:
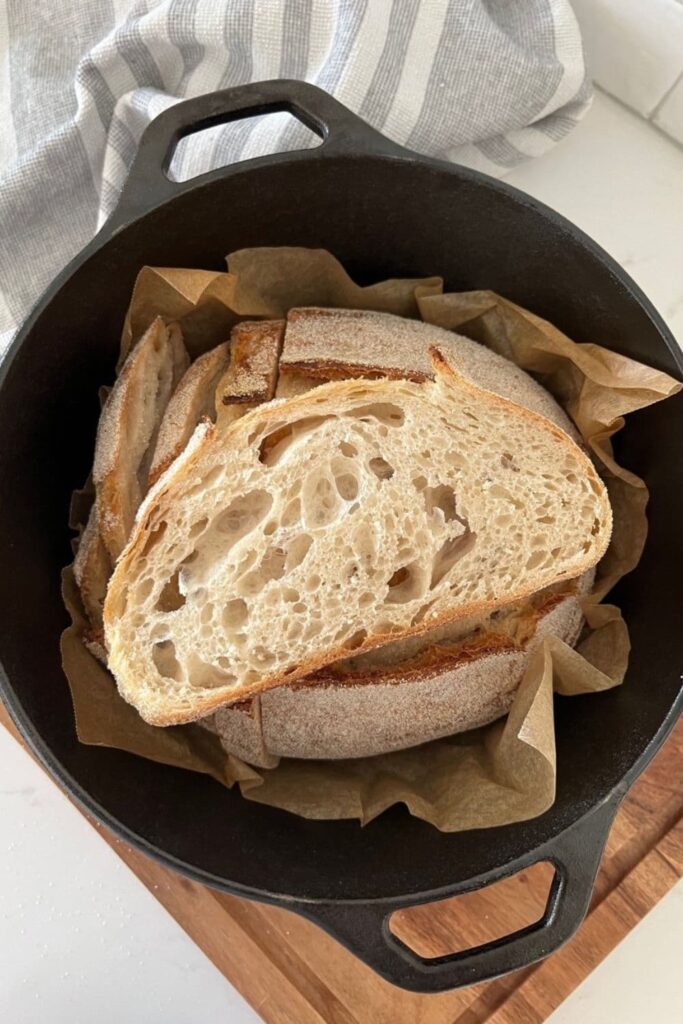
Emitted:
<point x="493" y="776"/>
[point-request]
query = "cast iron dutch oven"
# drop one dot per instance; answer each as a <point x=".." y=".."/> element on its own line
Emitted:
<point x="384" y="212"/>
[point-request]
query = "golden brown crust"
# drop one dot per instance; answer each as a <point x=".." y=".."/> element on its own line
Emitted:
<point x="251" y="375"/>
<point x="239" y="432"/>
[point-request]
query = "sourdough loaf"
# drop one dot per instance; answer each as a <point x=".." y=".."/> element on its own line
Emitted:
<point x="336" y="521"/>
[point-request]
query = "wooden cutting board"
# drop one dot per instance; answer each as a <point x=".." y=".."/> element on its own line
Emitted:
<point x="293" y="973"/>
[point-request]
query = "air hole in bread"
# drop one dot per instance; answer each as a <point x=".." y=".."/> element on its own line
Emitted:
<point x="204" y="676"/>
<point x="419" y="483"/>
<point x="386" y="412"/>
<point x="206" y="613"/>
<point x="275" y="445"/>
<point x="508" y="462"/>
<point x="198" y="528"/>
<point x="596" y="527"/>
<point x="535" y="559"/>
<point x="320" y="500"/>
<point x="348" y="449"/>
<point x="313" y="582"/>
<point x="291" y="514"/>
<point x="347" y="485"/>
<point x="144" y="589"/>
<point x="296" y="552"/>
<point x="163" y="655"/>
<point x="456" y="459"/>
<point x="272" y="565"/>
<point x="250" y="584"/>
<point x="381" y="468"/>
<point x="243" y="514"/>
<point x="356" y="640"/>
<point x="270" y="528"/>
<point x="441" y="500"/>
<point x="264" y="657"/>
<point x="421" y="613"/>
<point x="450" y="552"/>
<point x="153" y="538"/>
<point x="399" y="577"/>
<point x="406" y="584"/>
<point x="170" y="599"/>
<point x="546" y="520"/>
<point x="289" y="595"/>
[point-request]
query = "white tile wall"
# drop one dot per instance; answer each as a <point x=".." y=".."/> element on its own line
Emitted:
<point x="669" y="115"/>
<point x="634" y="50"/>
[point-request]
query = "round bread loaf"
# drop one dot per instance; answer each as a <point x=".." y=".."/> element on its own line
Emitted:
<point x="451" y="679"/>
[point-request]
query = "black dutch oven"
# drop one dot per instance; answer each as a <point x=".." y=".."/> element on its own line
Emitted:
<point x="384" y="212"/>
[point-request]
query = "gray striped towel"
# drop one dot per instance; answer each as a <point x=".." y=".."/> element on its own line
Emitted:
<point x="488" y="83"/>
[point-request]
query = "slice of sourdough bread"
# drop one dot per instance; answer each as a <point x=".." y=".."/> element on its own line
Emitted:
<point x="194" y="398"/>
<point x="333" y="522"/>
<point x="92" y="569"/>
<point x="128" y="427"/>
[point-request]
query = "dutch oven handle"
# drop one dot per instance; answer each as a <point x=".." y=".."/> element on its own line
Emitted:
<point x="148" y="184"/>
<point x="364" y="927"/>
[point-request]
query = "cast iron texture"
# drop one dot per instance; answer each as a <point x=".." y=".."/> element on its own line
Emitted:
<point x="384" y="212"/>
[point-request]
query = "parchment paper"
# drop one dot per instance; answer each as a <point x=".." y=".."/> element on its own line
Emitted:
<point x="493" y="776"/>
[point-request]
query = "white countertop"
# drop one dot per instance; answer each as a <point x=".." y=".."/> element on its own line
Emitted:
<point x="81" y="939"/>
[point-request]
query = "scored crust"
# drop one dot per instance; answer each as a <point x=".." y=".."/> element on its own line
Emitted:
<point x="171" y="704"/>
<point x="251" y="375"/>
<point x="337" y="344"/>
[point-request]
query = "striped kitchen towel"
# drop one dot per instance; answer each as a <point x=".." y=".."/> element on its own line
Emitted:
<point x="488" y="83"/>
